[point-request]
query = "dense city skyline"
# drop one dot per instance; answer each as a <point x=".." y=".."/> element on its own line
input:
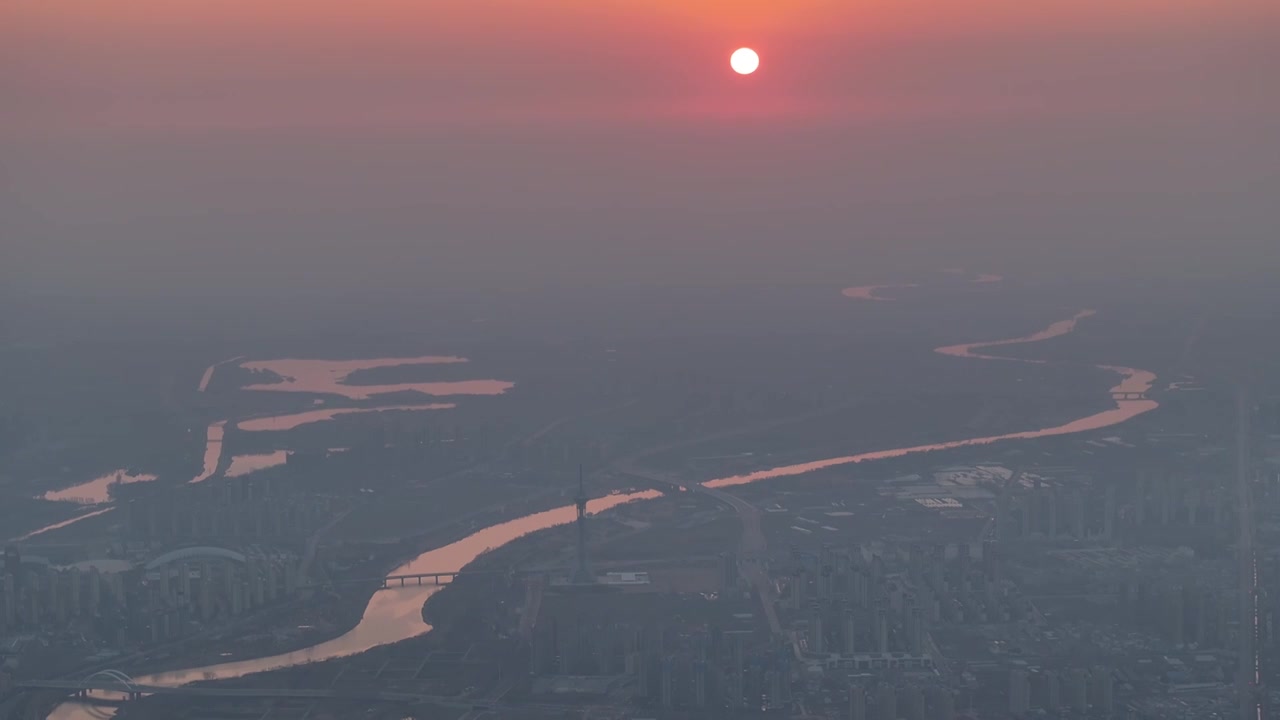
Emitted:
<point x="678" y="359"/>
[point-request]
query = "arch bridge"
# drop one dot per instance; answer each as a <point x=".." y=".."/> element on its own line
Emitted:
<point x="189" y="553"/>
<point x="112" y="676"/>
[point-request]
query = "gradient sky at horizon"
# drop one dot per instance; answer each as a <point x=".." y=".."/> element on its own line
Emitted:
<point x="229" y="143"/>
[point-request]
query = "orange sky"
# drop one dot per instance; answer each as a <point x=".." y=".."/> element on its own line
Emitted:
<point x="245" y="63"/>
<point x="195" y="140"/>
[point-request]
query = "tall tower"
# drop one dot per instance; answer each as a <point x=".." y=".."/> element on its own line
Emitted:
<point x="1247" y="673"/>
<point x="582" y="575"/>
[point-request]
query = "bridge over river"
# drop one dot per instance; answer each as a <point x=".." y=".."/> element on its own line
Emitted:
<point x="415" y="579"/>
<point x="395" y="616"/>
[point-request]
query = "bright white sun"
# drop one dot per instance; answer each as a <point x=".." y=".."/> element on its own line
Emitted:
<point x="744" y="61"/>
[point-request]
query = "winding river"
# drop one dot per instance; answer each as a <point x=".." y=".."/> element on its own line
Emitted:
<point x="1132" y="381"/>
<point x="392" y="615"/>
<point x="396" y="614"/>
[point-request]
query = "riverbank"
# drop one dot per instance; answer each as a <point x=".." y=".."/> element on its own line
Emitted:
<point x="343" y="613"/>
<point x="394" y="616"/>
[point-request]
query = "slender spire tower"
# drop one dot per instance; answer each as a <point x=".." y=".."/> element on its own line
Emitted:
<point x="1249" y="683"/>
<point x="582" y="575"/>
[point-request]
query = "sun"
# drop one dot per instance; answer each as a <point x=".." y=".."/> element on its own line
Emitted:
<point x="744" y="61"/>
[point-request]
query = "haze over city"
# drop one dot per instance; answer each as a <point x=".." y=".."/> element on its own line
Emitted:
<point x="709" y="359"/>
<point x="177" y="147"/>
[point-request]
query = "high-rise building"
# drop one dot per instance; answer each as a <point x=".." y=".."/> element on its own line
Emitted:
<point x="881" y="630"/>
<point x="1076" y="687"/>
<point x="1028" y="515"/>
<point x="861" y="590"/>
<point x="737" y="668"/>
<point x="1102" y="689"/>
<point x="33" y="607"/>
<point x="857" y="703"/>
<point x="666" y="691"/>
<point x="1054" y="501"/>
<point x="13" y="564"/>
<point x="826" y="572"/>
<point x="644" y="673"/>
<point x="1163" y="492"/>
<point x="728" y="573"/>
<point x="1109" y="513"/>
<point x="56" y="602"/>
<point x="915" y="631"/>
<point x="944" y="704"/>
<point x="9" y="603"/>
<point x="1019" y="692"/>
<point x="1140" y="498"/>
<point x="1053" y="691"/>
<point x="849" y="633"/>
<point x="817" y="634"/>
<point x="915" y="560"/>
<point x="1077" y="515"/>
<point x="991" y="560"/>
<point x="798" y="582"/>
<point x="912" y="703"/>
<point x="774" y="681"/>
<point x="1004" y="518"/>
<point x="886" y="702"/>
<point x="582" y="575"/>
<point x="1175" y="617"/>
<point x="95" y="591"/>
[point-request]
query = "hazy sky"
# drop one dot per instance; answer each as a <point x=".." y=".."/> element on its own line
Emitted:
<point x="182" y="145"/>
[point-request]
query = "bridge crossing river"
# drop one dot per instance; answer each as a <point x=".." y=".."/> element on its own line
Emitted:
<point x="394" y="616"/>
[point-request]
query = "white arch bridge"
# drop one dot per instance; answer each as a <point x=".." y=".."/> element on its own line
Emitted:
<point x="194" y="552"/>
